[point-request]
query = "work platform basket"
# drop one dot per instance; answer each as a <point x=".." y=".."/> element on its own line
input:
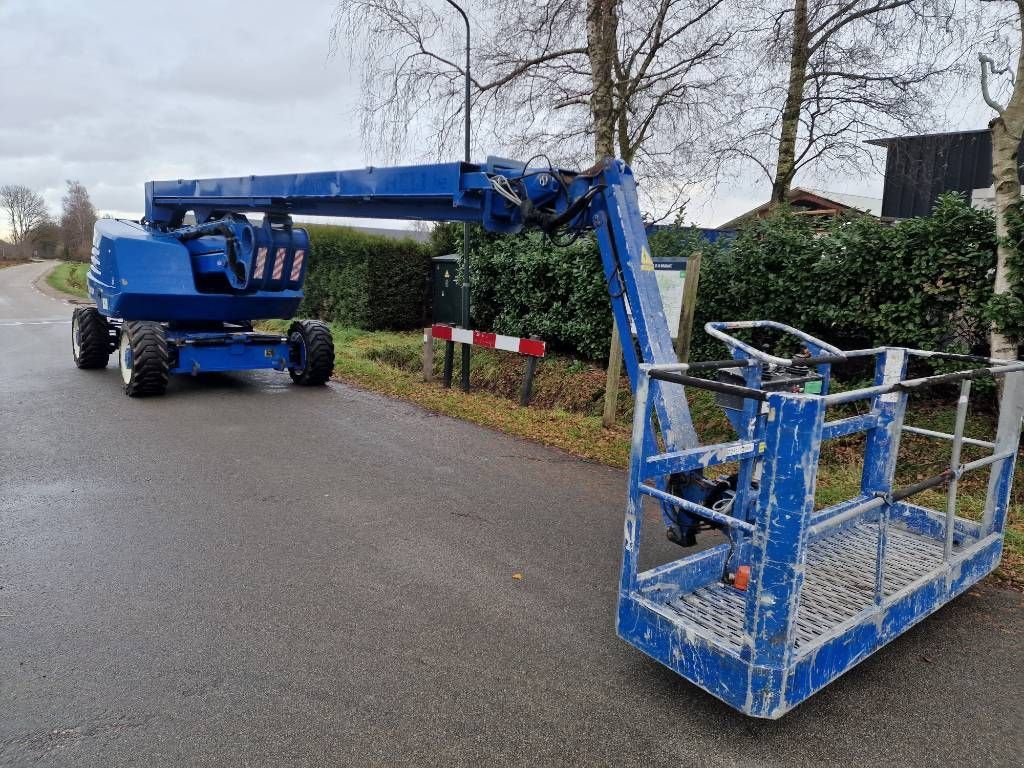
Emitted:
<point x="796" y="595"/>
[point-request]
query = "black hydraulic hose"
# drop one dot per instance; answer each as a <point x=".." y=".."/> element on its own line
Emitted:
<point x="550" y="224"/>
<point x="714" y="386"/>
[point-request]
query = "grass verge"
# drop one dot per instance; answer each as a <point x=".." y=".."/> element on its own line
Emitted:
<point x="69" y="277"/>
<point x="566" y="414"/>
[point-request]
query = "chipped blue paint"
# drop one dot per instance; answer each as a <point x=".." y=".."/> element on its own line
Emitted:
<point x="826" y="587"/>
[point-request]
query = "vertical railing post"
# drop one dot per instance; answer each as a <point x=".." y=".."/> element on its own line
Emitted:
<point x="634" y="500"/>
<point x="881" y="449"/>
<point x="1000" y="481"/>
<point x="779" y="543"/>
<point x="954" y="465"/>
<point x="752" y="378"/>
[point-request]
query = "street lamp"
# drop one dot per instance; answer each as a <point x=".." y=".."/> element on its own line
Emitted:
<point x="465" y="226"/>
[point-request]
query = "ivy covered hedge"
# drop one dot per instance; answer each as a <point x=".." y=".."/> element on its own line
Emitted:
<point x="855" y="282"/>
<point x="923" y="282"/>
<point x="523" y="285"/>
<point x="366" y="281"/>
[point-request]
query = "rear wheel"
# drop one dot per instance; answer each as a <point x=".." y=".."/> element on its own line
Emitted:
<point x="90" y="338"/>
<point x="311" y="349"/>
<point x="143" y="358"/>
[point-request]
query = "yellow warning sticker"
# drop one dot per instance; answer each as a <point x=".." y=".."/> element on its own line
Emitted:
<point x="646" y="262"/>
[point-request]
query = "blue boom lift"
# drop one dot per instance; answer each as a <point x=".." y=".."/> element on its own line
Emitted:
<point x="788" y="595"/>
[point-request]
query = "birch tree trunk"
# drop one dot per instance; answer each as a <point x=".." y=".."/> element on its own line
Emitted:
<point x="1007" y="131"/>
<point x="785" y="166"/>
<point x="602" y="48"/>
<point x="602" y="29"/>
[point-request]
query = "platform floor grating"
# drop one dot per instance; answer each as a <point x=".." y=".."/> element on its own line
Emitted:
<point x="840" y="583"/>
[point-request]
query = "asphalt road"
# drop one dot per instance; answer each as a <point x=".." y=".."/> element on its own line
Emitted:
<point x="245" y="573"/>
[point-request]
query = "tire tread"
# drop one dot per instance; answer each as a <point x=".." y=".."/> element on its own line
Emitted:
<point x="94" y="338"/>
<point x="150" y="358"/>
<point x="319" y="353"/>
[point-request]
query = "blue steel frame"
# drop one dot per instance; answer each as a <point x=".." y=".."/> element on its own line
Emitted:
<point x="466" y="192"/>
<point x="219" y="352"/>
<point x="827" y="587"/>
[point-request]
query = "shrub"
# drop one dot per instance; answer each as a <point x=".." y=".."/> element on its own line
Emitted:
<point x="523" y="285"/>
<point x="858" y="282"/>
<point x="365" y="281"/>
<point x="855" y="282"/>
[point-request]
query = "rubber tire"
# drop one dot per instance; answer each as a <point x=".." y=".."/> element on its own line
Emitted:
<point x="150" y="358"/>
<point x="316" y="337"/>
<point x="93" y="348"/>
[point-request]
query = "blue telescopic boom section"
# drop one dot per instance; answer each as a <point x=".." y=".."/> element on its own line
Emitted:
<point x="435" y="192"/>
<point x="501" y="196"/>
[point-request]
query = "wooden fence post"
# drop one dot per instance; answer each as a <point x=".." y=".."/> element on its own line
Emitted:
<point x="685" y="331"/>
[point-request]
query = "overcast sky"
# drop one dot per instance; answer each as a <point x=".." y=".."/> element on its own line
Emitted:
<point x="116" y="93"/>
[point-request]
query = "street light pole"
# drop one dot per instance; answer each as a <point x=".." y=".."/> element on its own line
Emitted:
<point x="465" y="226"/>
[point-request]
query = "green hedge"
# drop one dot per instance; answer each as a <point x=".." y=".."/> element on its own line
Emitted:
<point x="855" y="282"/>
<point x="365" y="281"/>
<point x="523" y="285"/>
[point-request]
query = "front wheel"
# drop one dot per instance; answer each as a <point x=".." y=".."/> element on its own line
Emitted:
<point x="311" y="350"/>
<point x="144" y="358"/>
<point x="90" y="338"/>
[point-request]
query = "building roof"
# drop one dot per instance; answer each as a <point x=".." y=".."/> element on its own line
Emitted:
<point x="814" y="202"/>
<point x="886" y="141"/>
<point x="872" y="205"/>
<point x="918" y="169"/>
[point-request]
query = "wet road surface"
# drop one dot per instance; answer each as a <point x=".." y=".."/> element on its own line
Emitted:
<point x="246" y="573"/>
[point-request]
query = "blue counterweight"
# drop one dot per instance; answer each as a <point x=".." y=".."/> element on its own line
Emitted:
<point x="221" y="271"/>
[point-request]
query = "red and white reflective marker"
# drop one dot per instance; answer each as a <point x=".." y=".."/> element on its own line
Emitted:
<point x="531" y="347"/>
<point x="297" y="264"/>
<point x="279" y="258"/>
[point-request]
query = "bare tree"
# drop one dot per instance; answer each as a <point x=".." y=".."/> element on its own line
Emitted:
<point x="45" y="239"/>
<point x="1007" y="133"/>
<point x="78" y="216"/>
<point x="25" y="209"/>
<point x="573" y="78"/>
<point x="836" y="72"/>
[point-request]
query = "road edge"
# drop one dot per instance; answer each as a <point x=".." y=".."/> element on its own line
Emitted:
<point x="42" y="285"/>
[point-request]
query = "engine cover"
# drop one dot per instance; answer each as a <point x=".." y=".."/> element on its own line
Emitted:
<point x="142" y="273"/>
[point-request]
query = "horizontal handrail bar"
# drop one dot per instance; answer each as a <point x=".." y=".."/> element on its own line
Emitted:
<point x="697" y="509"/>
<point x="947" y="436"/>
<point x="717" y="330"/>
<point x="984" y="462"/>
<point x="714" y="386"/>
<point x="957" y="357"/>
<point x="922" y="383"/>
<point x="922" y="485"/>
<point x="703" y="456"/>
<point x="907" y="491"/>
<point x="849" y="426"/>
<point x="898" y="495"/>
<point x="849" y="514"/>
<point x="752" y="362"/>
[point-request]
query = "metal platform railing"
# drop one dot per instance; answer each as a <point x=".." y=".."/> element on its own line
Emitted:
<point x="824" y="588"/>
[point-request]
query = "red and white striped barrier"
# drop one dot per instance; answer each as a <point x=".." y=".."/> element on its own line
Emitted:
<point x="531" y="347"/>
